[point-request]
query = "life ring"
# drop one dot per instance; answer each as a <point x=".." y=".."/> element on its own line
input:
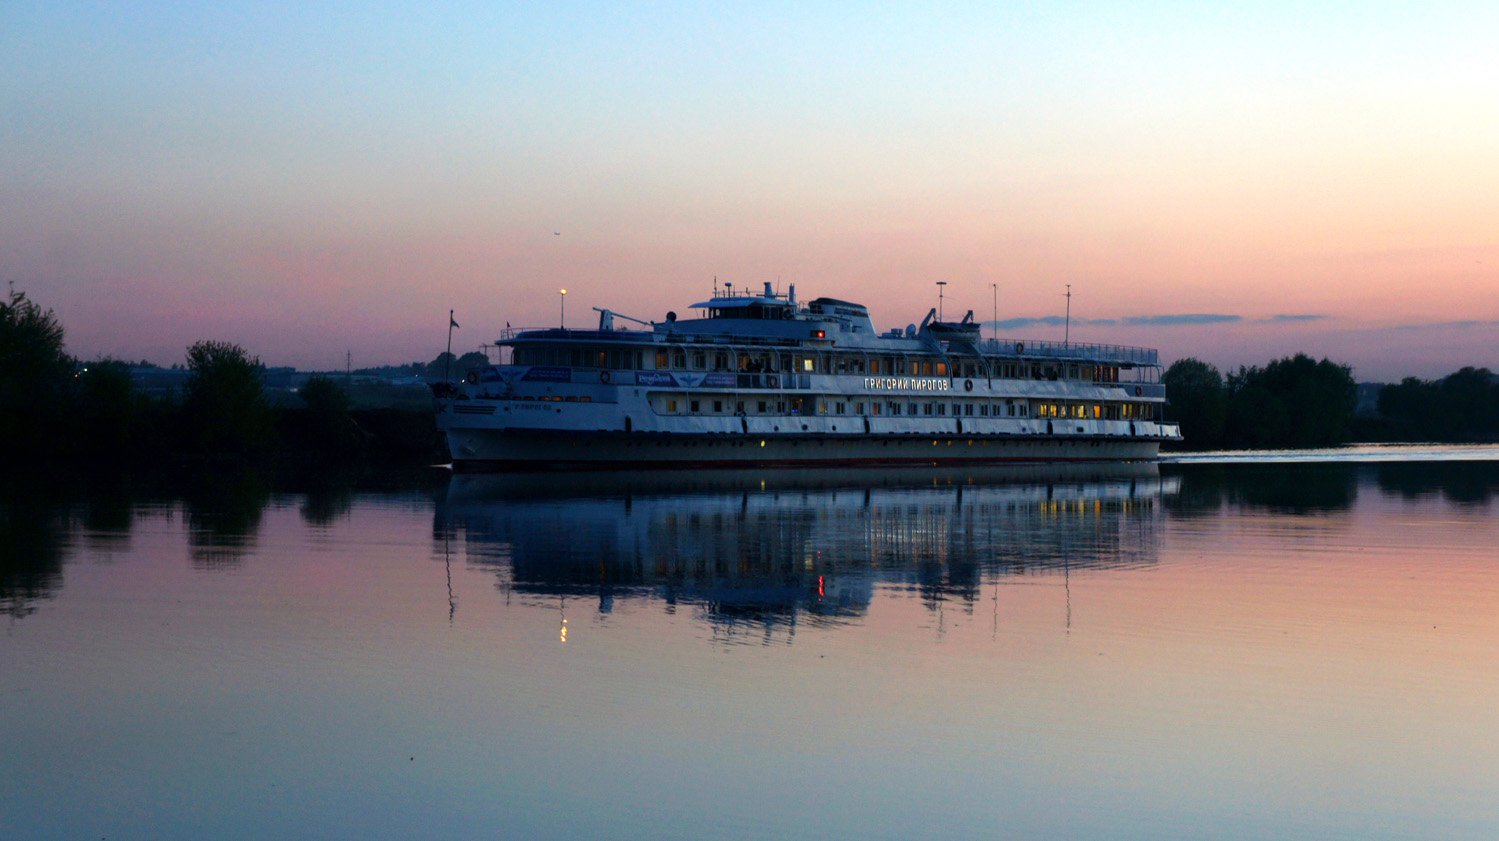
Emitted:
<point x="772" y="381"/>
<point x="472" y="377"/>
<point x="1020" y="347"/>
<point x="968" y="385"/>
<point x="603" y="376"/>
<point x="1139" y="391"/>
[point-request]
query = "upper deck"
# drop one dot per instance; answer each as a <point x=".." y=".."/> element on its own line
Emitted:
<point x="1001" y="348"/>
<point x="822" y="326"/>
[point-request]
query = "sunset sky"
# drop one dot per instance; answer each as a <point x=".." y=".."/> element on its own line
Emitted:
<point x="1235" y="183"/>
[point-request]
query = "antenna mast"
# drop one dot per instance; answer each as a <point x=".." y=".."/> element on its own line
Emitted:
<point x="1067" y="328"/>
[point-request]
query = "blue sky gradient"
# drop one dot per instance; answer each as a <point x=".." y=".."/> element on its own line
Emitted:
<point x="314" y="180"/>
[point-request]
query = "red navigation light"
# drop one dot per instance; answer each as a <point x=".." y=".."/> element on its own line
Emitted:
<point x="818" y="334"/>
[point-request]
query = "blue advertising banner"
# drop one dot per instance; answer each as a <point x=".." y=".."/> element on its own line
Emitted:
<point x="719" y="381"/>
<point x="654" y="378"/>
<point x="549" y="375"/>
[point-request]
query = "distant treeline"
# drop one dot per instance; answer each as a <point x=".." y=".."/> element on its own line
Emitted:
<point x="54" y="409"/>
<point x="1299" y="402"/>
<point x="1460" y="407"/>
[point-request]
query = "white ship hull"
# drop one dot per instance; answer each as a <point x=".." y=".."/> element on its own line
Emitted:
<point x="496" y="449"/>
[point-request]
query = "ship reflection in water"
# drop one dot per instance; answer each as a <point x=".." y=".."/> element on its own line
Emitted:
<point x="777" y="548"/>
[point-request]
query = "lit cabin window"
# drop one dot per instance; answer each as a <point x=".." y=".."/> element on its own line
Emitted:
<point x="807" y="365"/>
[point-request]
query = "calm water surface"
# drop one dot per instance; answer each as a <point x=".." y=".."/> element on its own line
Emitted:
<point x="1199" y="650"/>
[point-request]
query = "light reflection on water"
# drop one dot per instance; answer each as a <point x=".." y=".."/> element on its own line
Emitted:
<point x="774" y="549"/>
<point x="1201" y="650"/>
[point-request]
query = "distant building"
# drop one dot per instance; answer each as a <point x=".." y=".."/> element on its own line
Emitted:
<point x="166" y="383"/>
<point x="1368" y="400"/>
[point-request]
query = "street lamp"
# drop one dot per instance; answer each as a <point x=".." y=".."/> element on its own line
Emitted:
<point x="562" y="309"/>
<point x="995" y="325"/>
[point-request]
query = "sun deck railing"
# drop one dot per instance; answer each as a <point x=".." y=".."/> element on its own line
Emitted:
<point x="1016" y="348"/>
<point x="1070" y="350"/>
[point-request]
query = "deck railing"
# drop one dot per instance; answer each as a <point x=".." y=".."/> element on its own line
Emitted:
<point x="1070" y="350"/>
<point x="1008" y="348"/>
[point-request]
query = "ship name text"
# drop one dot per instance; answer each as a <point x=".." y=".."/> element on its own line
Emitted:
<point x="907" y="384"/>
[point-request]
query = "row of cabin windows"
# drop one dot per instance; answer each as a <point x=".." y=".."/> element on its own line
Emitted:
<point x="1092" y="411"/>
<point x="678" y="359"/>
<point x="967" y="408"/>
<point x="792" y="406"/>
<point x="1039" y="371"/>
<point x="900" y="408"/>
<point x="613" y="359"/>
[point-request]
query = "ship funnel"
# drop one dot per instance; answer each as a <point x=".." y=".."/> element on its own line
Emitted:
<point x="791" y="295"/>
<point x="768" y="293"/>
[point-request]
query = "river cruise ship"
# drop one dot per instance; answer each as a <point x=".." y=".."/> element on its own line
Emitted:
<point x="762" y="380"/>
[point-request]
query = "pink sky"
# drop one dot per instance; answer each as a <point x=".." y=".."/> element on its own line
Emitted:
<point x="314" y="182"/>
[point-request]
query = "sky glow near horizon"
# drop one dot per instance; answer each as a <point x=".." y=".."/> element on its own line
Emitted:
<point x="311" y="181"/>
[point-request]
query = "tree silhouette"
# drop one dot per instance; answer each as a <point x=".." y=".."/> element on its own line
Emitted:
<point x="36" y="378"/>
<point x="224" y="409"/>
<point x="1196" y="399"/>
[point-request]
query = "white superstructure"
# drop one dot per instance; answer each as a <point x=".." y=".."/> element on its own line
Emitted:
<point x="761" y="379"/>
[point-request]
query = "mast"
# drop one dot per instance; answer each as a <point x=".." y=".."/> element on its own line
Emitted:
<point x="1067" y="327"/>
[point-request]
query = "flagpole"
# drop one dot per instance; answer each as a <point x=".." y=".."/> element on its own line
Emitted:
<point x="448" y="359"/>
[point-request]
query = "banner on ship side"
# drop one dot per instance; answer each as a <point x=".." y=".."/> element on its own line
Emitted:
<point x="684" y="380"/>
<point x="657" y="378"/>
<point x="545" y="374"/>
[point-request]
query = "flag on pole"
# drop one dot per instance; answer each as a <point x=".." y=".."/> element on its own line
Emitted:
<point x="451" y="321"/>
